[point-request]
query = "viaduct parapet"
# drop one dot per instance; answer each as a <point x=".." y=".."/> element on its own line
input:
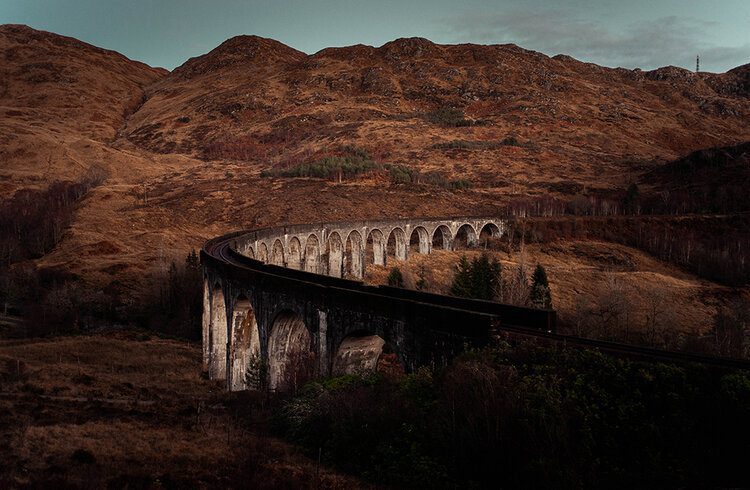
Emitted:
<point x="284" y="304"/>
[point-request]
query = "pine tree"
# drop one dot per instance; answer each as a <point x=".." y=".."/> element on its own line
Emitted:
<point x="395" y="278"/>
<point x="540" y="293"/>
<point x="479" y="279"/>
<point x="462" y="280"/>
<point x="421" y="283"/>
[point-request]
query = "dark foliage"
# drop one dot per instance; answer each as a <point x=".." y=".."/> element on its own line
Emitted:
<point x="395" y="278"/>
<point x="716" y="247"/>
<point x="32" y="222"/>
<point x="479" y="279"/>
<point x="540" y="293"/>
<point x="532" y="416"/>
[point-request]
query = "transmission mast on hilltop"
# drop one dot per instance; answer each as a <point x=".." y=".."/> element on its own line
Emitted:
<point x="697" y="63"/>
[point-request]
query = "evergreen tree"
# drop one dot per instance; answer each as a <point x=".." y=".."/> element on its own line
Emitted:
<point x="421" y="283"/>
<point x="479" y="279"/>
<point x="395" y="278"/>
<point x="540" y="293"/>
<point x="462" y="280"/>
<point x="630" y="204"/>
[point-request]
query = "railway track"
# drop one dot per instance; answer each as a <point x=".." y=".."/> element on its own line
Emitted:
<point x="220" y="249"/>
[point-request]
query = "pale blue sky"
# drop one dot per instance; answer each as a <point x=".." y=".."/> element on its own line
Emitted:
<point x="629" y="33"/>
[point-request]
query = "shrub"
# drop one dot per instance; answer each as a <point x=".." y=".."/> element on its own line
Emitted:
<point x="352" y="162"/>
<point x="395" y="278"/>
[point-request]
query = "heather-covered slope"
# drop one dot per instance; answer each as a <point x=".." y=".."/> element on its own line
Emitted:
<point x="531" y="123"/>
<point x="61" y="100"/>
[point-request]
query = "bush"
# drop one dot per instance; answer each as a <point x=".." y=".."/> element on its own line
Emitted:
<point x="532" y="415"/>
<point x="352" y="162"/>
<point x="395" y="278"/>
<point x="448" y="116"/>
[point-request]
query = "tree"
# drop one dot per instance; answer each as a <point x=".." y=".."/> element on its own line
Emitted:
<point x="462" y="280"/>
<point x="395" y="278"/>
<point x="731" y="329"/>
<point x="630" y="204"/>
<point x="540" y="293"/>
<point x="421" y="283"/>
<point x="479" y="279"/>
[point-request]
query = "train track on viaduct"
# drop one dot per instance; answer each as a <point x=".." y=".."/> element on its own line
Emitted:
<point x="289" y="301"/>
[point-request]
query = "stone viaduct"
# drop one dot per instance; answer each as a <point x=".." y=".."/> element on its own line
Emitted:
<point x="284" y="304"/>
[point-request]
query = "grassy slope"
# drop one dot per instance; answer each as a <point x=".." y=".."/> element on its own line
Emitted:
<point x="125" y="409"/>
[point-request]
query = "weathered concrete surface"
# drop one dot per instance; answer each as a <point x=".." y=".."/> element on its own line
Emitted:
<point x="275" y="296"/>
<point x="358" y="354"/>
<point x="339" y="248"/>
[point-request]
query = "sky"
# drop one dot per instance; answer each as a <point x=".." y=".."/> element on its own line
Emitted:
<point x="630" y="33"/>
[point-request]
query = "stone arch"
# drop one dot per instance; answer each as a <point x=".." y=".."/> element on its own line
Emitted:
<point x="487" y="233"/>
<point x="441" y="238"/>
<point x="218" y="335"/>
<point x="291" y="361"/>
<point x="335" y="252"/>
<point x="263" y="252"/>
<point x="206" y="324"/>
<point x="294" y="257"/>
<point x="353" y="255"/>
<point x="277" y="253"/>
<point x="312" y="254"/>
<point x="250" y="252"/>
<point x="245" y="342"/>
<point x="358" y="353"/>
<point x="375" y="247"/>
<point x="466" y="237"/>
<point x="396" y="244"/>
<point x="419" y="242"/>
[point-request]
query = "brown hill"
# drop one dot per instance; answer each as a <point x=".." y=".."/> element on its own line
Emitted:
<point x="184" y="150"/>
<point x="59" y="98"/>
<point x="258" y="101"/>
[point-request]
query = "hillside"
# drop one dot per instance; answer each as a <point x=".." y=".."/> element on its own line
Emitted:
<point x="122" y="410"/>
<point x="183" y="151"/>
<point x="531" y="123"/>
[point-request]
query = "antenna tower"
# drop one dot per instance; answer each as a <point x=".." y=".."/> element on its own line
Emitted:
<point x="697" y="64"/>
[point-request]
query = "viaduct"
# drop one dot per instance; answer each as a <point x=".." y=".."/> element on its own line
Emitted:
<point x="284" y="304"/>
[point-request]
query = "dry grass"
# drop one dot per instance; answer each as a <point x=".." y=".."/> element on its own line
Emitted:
<point x="123" y="410"/>
<point x="579" y="271"/>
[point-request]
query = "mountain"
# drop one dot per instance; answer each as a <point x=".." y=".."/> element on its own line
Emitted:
<point x="256" y="100"/>
<point x="58" y="94"/>
<point x="183" y="151"/>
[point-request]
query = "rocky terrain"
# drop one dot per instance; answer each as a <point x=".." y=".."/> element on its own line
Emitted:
<point x="183" y="151"/>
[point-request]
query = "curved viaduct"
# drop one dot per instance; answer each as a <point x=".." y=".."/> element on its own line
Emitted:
<point x="284" y="304"/>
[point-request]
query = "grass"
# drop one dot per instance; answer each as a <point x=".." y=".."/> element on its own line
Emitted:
<point x="118" y="411"/>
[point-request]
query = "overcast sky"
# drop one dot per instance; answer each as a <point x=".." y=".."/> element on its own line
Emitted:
<point x="628" y="33"/>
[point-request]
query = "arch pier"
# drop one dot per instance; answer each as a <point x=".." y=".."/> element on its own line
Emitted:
<point x="285" y="304"/>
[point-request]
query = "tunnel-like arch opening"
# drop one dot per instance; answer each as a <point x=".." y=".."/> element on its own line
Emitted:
<point x="312" y="254"/>
<point x="263" y="253"/>
<point x="291" y="361"/>
<point x="358" y="353"/>
<point x="277" y="253"/>
<point x="294" y="257"/>
<point x="489" y="233"/>
<point x="218" y="335"/>
<point x="396" y="245"/>
<point x="441" y="238"/>
<point x="249" y="252"/>
<point x="244" y="346"/>
<point x="375" y="248"/>
<point x="466" y="237"/>
<point x="353" y="256"/>
<point x="419" y="242"/>
<point x="335" y="252"/>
